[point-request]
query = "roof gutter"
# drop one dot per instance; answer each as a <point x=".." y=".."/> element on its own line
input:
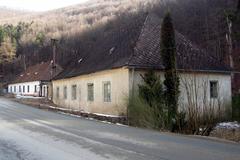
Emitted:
<point x="181" y="70"/>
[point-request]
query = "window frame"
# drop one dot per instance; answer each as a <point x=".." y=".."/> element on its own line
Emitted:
<point x="214" y="92"/>
<point x="65" y="95"/>
<point x="107" y="97"/>
<point x="90" y="98"/>
<point x="74" y="92"/>
<point x="79" y="92"/>
<point x="20" y="89"/>
<point x="57" y="92"/>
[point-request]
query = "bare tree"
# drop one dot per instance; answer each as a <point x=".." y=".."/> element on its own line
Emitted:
<point x="202" y="110"/>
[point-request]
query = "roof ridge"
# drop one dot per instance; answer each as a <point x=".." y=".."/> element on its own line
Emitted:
<point x="140" y="33"/>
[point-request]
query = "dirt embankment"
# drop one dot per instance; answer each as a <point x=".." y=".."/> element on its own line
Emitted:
<point x="227" y="130"/>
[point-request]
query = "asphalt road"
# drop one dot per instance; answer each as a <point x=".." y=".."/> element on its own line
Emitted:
<point x="27" y="133"/>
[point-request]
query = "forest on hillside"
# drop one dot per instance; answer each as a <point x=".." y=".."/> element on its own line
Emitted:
<point x="25" y="38"/>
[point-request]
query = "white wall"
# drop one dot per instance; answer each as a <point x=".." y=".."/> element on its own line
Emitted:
<point x="26" y="84"/>
<point x="197" y="85"/>
<point x="195" y="89"/>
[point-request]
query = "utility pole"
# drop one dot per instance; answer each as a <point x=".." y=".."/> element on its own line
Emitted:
<point x="54" y="42"/>
<point x="53" y="69"/>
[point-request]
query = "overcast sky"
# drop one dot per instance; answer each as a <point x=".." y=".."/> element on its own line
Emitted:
<point x="38" y="5"/>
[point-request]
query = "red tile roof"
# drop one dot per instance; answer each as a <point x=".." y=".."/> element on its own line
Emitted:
<point x="40" y="72"/>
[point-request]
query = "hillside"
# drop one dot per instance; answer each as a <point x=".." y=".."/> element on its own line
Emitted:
<point x="6" y="12"/>
<point x="79" y="18"/>
<point x="79" y="28"/>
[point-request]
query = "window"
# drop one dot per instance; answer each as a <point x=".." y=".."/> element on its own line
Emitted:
<point x="90" y="88"/>
<point x="57" y="93"/>
<point x="65" y="92"/>
<point x="15" y="89"/>
<point x="28" y="88"/>
<point x="10" y="89"/>
<point x="23" y="89"/>
<point x="74" y="92"/>
<point x="79" y="95"/>
<point x="35" y="88"/>
<point x="107" y="91"/>
<point x="20" y="89"/>
<point x="213" y="89"/>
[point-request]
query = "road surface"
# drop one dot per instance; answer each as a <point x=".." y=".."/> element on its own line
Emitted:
<point x="27" y="133"/>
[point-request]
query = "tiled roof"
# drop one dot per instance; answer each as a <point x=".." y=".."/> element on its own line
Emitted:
<point x="113" y="50"/>
<point x="137" y="44"/>
<point x="40" y="72"/>
<point x="189" y="56"/>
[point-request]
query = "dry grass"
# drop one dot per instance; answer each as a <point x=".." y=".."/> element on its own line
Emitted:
<point x="229" y="134"/>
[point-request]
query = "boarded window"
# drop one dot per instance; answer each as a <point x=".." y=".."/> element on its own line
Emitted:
<point x="74" y="92"/>
<point x="65" y="92"/>
<point x="57" y="93"/>
<point x="213" y="89"/>
<point x="107" y="91"/>
<point x="90" y="87"/>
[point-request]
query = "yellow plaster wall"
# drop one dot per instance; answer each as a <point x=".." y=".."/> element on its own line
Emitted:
<point x="119" y="79"/>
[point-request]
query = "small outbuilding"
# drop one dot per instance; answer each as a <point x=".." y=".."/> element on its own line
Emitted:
<point x="35" y="81"/>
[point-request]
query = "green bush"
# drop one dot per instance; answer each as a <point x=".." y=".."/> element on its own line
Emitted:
<point x="140" y="114"/>
<point x="236" y="108"/>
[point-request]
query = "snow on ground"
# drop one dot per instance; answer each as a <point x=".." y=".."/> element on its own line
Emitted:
<point x="98" y="114"/>
<point x="27" y="97"/>
<point x="92" y="119"/>
<point x="106" y="115"/>
<point x="17" y="143"/>
<point x="228" y="125"/>
<point x="63" y="109"/>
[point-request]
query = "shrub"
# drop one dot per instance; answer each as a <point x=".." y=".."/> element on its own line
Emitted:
<point x="236" y="108"/>
<point x="140" y="114"/>
<point x="151" y="91"/>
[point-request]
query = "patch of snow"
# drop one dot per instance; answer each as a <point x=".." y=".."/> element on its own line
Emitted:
<point x="72" y="115"/>
<point x="119" y="124"/>
<point x="18" y="96"/>
<point x="91" y="119"/>
<point x="64" y="109"/>
<point x="229" y="125"/>
<point x="98" y="114"/>
<point x="106" y="115"/>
